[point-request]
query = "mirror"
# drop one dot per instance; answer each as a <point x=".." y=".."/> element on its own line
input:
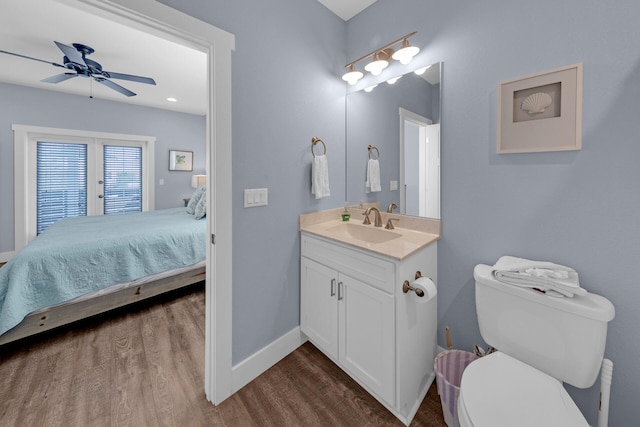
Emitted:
<point x="402" y="120"/>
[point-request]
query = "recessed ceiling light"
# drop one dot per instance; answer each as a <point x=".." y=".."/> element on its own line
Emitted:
<point x="172" y="99"/>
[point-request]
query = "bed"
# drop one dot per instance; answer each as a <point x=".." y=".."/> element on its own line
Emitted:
<point x="84" y="266"/>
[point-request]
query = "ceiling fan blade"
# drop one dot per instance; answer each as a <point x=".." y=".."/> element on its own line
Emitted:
<point x="30" y="57"/>
<point x="71" y="53"/>
<point x="59" y="78"/>
<point x="139" y="79"/>
<point x="115" y="86"/>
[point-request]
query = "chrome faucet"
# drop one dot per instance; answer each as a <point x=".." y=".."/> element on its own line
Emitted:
<point x="377" y="219"/>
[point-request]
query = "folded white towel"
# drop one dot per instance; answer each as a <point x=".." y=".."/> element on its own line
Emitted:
<point x="320" y="177"/>
<point x="372" y="183"/>
<point x="554" y="279"/>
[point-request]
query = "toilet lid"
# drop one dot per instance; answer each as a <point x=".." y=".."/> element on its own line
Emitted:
<point x="498" y="390"/>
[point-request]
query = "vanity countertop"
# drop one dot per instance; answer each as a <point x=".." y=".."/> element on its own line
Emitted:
<point x="402" y="242"/>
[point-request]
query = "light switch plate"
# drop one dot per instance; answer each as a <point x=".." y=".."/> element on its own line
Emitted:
<point x="254" y="197"/>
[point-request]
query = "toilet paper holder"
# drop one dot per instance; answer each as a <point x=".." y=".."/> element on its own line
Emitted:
<point x="406" y="286"/>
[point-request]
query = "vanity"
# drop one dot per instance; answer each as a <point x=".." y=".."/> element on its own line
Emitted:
<point x="353" y="307"/>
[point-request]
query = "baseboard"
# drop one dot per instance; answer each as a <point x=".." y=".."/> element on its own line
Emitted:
<point x="251" y="367"/>
<point x="6" y="256"/>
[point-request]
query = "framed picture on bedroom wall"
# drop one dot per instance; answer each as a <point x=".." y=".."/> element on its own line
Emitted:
<point x="180" y="160"/>
<point x="541" y="112"/>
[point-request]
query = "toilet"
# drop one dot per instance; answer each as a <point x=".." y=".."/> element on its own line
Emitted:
<point x="542" y="341"/>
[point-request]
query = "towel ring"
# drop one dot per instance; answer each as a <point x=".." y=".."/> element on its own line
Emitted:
<point x="371" y="147"/>
<point x="314" y="141"/>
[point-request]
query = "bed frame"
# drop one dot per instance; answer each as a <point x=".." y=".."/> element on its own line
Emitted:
<point x="44" y="320"/>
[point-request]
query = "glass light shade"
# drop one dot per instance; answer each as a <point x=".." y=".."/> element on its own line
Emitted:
<point x="406" y="53"/>
<point x="352" y="76"/>
<point x="420" y="71"/>
<point x="198" y="180"/>
<point x="392" y="80"/>
<point x="376" y="66"/>
<point x="370" y="88"/>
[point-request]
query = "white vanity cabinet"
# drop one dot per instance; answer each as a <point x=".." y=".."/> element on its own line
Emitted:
<point x="353" y="309"/>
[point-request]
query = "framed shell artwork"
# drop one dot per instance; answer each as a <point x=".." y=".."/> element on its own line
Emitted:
<point x="541" y="112"/>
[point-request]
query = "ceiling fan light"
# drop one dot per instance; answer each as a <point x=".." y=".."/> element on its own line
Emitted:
<point x="352" y="76"/>
<point x="406" y="53"/>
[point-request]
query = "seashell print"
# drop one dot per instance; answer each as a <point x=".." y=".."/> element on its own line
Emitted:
<point x="536" y="103"/>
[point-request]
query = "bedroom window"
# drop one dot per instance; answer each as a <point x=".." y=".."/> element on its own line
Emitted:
<point x="62" y="173"/>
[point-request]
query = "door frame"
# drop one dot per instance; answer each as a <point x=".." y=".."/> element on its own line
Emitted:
<point x="163" y="21"/>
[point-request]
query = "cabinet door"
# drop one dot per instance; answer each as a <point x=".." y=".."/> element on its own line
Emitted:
<point x="319" y="306"/>
<point x="366" y="340"/>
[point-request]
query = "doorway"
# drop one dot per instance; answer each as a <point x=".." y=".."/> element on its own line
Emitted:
<point x="165" y="22"/>
<point x="419" y="165"/>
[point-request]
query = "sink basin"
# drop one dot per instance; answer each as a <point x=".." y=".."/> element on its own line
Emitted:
<point x="365" y="233"/>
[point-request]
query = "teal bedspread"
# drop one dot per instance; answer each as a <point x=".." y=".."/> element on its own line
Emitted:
<point x="79" y="255"/>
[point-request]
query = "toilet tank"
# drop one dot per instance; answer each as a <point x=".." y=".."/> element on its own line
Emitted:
<point x="563" y="337"/>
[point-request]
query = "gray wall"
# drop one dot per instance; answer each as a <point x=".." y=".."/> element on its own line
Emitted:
<point x="285" y="91"/>
<point x="37" y="107"/>
<point x="576" y="208"/>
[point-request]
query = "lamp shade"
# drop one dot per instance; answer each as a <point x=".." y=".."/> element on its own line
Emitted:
<point x="378" y="64"/>
<point x="352" y="76"/>
<point x="406" y="53"/>
<point x="198" y="180"/>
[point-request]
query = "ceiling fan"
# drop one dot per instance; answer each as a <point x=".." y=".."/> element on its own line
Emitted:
<point x="75" y="60"/>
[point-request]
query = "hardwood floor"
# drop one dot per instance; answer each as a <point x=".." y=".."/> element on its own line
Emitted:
<point x="144" y="366"/>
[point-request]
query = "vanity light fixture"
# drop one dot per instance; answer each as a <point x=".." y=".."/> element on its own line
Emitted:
<point x="370" y="88"/>
<point x="420" y="71"/>
<point x="392" y="80"/>
<point x="379" y="63"/>
<point x="381" y="58"/>
<point x="352" y="76"/>
<point x="406" y="53"/>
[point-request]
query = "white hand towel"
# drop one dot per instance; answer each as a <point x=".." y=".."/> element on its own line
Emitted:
<point x="320" y="177"/>
<point x="555" y="279"/>
<point x="373" y="176"/>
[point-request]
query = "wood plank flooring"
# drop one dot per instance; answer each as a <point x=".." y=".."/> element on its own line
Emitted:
<point x="144" y="366"/>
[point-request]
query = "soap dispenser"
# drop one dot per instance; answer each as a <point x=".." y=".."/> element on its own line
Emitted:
<point x="345" y="213"/>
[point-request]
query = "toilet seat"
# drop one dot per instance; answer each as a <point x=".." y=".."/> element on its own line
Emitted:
<point x="498" y="390"/>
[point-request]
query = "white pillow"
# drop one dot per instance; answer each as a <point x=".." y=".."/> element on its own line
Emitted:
<point x="195" y="198"/>
<point x="201" y="208"/>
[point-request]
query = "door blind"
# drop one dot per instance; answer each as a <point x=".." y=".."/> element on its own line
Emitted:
<point x="61" y="182"/>
<point x="122" y="179"/>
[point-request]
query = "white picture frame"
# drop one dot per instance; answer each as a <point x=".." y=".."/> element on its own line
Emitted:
<point x="541" y="112"/>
